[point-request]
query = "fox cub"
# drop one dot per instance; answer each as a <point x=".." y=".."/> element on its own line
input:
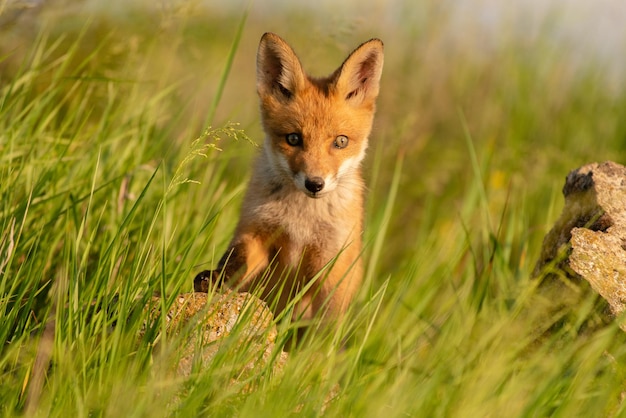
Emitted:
<point x="301" y="220"/>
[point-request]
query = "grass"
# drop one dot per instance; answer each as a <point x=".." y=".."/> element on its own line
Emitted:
<point x="114" y="187"/>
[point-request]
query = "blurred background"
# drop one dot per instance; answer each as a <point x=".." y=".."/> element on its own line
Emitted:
<point x="114" y="188"/>
<point x="532" y="88"/>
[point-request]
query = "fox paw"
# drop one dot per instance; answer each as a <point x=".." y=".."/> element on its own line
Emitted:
<point x="204" y="280"/>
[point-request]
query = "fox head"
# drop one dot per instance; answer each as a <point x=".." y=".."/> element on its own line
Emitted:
<point x="317" y="128"/>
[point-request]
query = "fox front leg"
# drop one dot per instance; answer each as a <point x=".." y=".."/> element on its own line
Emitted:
<point x="244" y="260"/>
<point x="205" y="280"/>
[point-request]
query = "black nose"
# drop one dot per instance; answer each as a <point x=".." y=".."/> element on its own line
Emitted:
<point x="314" y="185"/>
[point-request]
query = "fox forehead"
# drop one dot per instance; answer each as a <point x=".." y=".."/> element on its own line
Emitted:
<point x="316" y="111"/>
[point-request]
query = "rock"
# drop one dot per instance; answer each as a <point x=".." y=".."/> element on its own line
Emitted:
<point x="599" y="259"/>
<point x="588" y="241"/>
<point x="203" y="320"/>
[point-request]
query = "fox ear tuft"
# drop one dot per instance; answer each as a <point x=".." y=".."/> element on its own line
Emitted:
<point x="278" y="69"/>
<point x="359" y="76"/>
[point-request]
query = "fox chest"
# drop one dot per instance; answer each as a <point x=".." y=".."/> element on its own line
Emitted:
<point x="305" y="231"/>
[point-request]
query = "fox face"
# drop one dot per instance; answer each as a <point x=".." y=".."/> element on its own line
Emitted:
<point x="317" y="128"/>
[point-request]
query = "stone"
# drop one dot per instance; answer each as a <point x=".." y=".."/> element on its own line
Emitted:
<point x="201" y="321"/>
<point x="588" y="241"/>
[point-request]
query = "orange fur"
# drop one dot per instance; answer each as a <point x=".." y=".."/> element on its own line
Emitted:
<point x="302" y="214"/>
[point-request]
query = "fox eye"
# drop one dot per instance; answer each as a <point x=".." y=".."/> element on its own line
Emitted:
<point x="293" y="139"/>
<point x="341" y="141"/>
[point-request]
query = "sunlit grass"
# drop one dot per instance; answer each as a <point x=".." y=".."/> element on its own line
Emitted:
<point x="113" y="187"/>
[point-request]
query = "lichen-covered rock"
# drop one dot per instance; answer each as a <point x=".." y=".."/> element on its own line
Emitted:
<point x="588" y="241"/>
<point x="202" y="321"/>
<point x="600" y="259"/>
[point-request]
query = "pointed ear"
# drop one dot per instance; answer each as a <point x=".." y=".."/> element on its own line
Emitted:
<point x="359" y="76"/>
<point x="278" y="70"/>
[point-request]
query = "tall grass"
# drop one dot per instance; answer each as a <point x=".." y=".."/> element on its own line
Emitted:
<point x="113" y="188"/>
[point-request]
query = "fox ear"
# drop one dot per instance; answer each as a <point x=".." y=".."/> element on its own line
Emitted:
<point x="358" y="77"/>
<point x="278" y="70"/>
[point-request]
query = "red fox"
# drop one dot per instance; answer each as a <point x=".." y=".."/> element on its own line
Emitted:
<point x="301" y="220"/>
